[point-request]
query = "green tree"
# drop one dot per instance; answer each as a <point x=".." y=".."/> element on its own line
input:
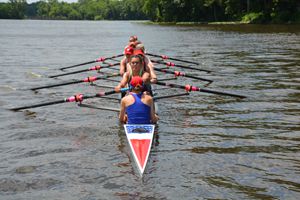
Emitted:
<point x="5" y="10"/>
<point x="17" y="9"/>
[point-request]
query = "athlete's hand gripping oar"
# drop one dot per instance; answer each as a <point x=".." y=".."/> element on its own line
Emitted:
<point x="88" y="79"/>
<point x="170" y="64"/>
<point x="93" y="61"/>
<point x="76" y="98"/>
<point x="97" y="68"/>
<point x="167" y="57"/>
<point x="190" y="88"/>
<point x="177" y="73"/>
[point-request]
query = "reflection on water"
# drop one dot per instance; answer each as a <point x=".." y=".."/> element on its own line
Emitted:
<point x="206" y="146"/>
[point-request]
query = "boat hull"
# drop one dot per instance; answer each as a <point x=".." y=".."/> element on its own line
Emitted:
<point x="140" y="137"/>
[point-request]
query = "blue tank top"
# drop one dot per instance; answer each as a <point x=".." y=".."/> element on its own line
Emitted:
<point x="138" y="112"/>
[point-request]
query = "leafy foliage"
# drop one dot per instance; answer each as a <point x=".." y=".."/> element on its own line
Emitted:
<point x="250" y="11"/>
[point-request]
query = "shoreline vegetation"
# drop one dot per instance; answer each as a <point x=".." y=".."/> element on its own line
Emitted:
<point x="160" y="12"/>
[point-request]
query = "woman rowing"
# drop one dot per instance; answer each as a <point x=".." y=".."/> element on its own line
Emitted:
<point x="128" y="51"/>
<point x="137" y="68"/>
<point x="140" y="50"/>
<point x="137" y="107"/>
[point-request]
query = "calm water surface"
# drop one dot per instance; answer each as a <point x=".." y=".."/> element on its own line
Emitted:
<point x="208" y="146"/>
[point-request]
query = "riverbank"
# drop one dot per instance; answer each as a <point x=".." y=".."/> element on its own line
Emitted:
<point x="234" y="26"/>
<point x="215" y="23"/>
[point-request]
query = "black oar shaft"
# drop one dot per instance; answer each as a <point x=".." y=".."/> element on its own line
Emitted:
<point x="88" y="79"/>
<point x="176" y="73"/>
<point x="168" y="79"/>
<point x="38" y="105"/>
<point x="77" y="65"/>
<point x="170" y="85"/>
<point x="68" y="73"/>
<point x="75" y="98"/>
<point x="176" y="59"/>
<point x="170" y="96"/>
<point x="99" y="108"/>
<point x="84" y="70"/>
<point x="170" y="64"/>
<point x="56" y="85"/>
<point x="90" y="62"/>
<point x="193" y="88"/>
<point x="221" y="93"/>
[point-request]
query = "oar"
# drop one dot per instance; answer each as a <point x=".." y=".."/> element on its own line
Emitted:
<point x="190" y="88"/>
<point x="101" y="59"/>
<point x="170" y="64"/>
<point x="178" y="73"/>
<point x="118" y="110"/>
<point x="170" y="96"/>
<point x="97" y="68"/>
<point x="75" y="98"/>
<point x="99" y="108"/>
<point x="167" y="57"/>
<point x="88" y="79"/>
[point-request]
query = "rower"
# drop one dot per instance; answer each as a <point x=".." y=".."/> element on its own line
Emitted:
<point x="128" y="51"/>
<point x="149" y="67"/>
<point x="133" y="38"/>
<point x="136" y="63"/>
<point x="137" y="107"/>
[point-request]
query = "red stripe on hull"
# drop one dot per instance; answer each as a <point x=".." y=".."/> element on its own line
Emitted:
<point x="141" y="147"/>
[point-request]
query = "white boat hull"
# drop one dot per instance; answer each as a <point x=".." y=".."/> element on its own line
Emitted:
<point x="140" y="137"/>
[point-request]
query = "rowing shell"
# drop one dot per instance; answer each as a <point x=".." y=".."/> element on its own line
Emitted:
<point x="140" y="138"/>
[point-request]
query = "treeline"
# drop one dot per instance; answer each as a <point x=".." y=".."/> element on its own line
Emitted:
<point x="252" y="11"/>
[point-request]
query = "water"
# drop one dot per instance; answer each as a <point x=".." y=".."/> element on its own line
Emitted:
<point x="208" y="146"/>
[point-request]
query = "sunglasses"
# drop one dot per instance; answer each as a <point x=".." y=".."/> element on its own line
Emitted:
<point x="134" y="63"/>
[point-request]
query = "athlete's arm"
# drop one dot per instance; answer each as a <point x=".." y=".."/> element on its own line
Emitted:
<point x="122" y="115"/>
<point x="123" y="66"/>
<point x="150" y="66"/>
<point x="123" y="82"/>
<point x="154" y="118"/>
<point x="146" y="77"/>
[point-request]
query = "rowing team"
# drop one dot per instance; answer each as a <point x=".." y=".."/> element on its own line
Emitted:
<point x="137" y="107"/>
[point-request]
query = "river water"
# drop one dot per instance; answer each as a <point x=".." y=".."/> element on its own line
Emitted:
<point x="207" y="146"/>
